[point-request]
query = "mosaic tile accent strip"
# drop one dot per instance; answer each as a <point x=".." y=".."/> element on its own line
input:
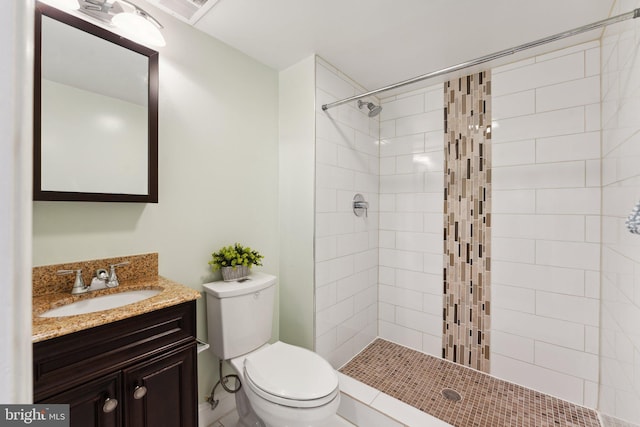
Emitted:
<point x="467" y="221"/>
<point x="418" y="379"/>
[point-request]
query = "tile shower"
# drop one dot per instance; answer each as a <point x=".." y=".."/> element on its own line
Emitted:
<point x="564" y="175"/>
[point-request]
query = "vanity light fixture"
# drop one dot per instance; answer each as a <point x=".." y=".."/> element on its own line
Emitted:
<point x="132" y="20"/>
<point x="63" y="4"/>
<point x="139" y="25"/>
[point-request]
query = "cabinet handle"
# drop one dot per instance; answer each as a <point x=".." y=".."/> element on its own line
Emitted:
<point x="139" y="392"/>
<point x="110" y="405"/>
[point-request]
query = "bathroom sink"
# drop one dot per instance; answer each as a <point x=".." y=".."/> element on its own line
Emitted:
<point x="100" y="303"/>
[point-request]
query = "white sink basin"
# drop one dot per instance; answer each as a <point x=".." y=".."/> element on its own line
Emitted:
<point x="104" y="302"/>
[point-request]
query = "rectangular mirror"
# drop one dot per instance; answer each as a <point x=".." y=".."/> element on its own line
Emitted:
<point x="95" y="113"/>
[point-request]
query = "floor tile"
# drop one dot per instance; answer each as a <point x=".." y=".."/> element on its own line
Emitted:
<point x="422" y="381"/>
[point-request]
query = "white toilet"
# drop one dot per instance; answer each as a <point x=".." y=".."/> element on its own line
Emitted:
<point x="285" y="385"/>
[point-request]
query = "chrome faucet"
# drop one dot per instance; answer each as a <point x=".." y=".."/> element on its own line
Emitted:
<point x="101" y="280"/>
<point x="78" y="285"/>
<point x="113" y="278"/>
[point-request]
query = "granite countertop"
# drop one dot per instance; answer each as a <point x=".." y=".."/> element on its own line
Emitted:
<point x="45" y="328"/>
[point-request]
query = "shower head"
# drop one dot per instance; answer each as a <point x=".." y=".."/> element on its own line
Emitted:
<point x="374" y="110"/>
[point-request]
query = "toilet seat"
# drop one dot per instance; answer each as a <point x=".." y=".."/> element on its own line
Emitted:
<point x="290" y="376"/>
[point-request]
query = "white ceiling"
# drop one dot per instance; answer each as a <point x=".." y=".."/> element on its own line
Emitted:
<point x="380" y="42"/>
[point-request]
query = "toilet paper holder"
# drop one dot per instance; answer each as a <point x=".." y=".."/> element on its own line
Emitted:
<point x="201" y="346"/>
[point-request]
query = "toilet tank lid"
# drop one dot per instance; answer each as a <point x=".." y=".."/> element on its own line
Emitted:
<point x="254" y="283"/>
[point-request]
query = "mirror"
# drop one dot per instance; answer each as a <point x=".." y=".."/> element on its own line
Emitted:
<point x="95" y="113"/>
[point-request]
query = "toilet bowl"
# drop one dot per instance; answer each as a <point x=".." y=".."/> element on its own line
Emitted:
<point x="288" y="386"/>
<point x="282" y="385"/>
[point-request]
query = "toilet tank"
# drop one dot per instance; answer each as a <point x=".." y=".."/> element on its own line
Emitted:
<point x="239" y="314"/>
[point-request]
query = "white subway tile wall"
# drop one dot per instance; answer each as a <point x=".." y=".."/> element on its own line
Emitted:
<point x="346" y="246"/>
<point x="566" y="173"/>
<point x="546" y="234"/>
<point x="620" y="305"/>
<point x="411" y="219"/>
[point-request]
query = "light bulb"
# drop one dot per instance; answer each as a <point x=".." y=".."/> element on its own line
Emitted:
<point x="139" y="28"/>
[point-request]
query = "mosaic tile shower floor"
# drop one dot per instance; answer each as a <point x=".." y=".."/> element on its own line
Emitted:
<point x="418" y="380"/>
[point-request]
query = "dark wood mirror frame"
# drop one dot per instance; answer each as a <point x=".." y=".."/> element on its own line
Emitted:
<point x="152" y="107"/>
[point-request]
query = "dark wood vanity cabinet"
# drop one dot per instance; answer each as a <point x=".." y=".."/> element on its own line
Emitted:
<point x="88" y="400"/>
<point x="137" y="372"/>
<point x="162" y="391"/>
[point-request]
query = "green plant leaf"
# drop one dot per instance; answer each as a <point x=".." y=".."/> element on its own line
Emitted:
<point x="235" y="255"/>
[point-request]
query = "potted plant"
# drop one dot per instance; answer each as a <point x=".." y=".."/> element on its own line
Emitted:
<point x="235" y="261"/>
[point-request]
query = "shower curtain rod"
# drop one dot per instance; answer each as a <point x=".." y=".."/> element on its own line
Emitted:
<point x="481" y="60"/>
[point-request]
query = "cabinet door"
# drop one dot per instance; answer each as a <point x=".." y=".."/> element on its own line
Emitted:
<point x="162" y="392"/>
<point x="94" y="404"/>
